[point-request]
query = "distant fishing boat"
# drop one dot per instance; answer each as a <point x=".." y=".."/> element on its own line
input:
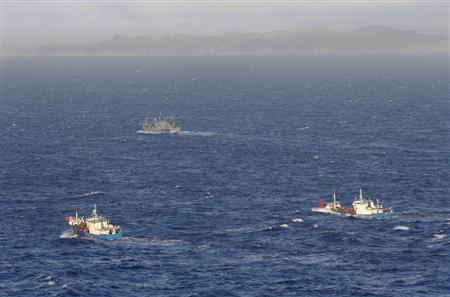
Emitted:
<point x="94" y="226"/>
<point x="361" y="207"/>
<point x="160" y="125"/>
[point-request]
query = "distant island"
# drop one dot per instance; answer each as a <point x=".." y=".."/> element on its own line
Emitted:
<point x="300" y="40"/>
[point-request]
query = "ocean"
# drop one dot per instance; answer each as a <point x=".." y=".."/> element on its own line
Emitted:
<point x="212" y="211"/>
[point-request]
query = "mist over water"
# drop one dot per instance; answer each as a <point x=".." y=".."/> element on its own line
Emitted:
<point x="216" y="209"/>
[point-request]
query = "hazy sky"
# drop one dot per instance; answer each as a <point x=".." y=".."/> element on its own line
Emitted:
<point x="32" y="23"/>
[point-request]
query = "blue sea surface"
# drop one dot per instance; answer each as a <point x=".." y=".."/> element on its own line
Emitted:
<point x="209" y="211"/>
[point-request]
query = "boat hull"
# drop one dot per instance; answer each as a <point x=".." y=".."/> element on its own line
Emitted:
<point x="322" y="210"/>
<point x="116" y="236"/>
<point x="347" y="212"/>
<point x="343" y="211"/>
<point x="158" y="131"/>
<point x="385" y="214"/>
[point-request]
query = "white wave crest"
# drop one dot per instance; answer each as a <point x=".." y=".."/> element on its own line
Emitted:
<point x="91" y="193"/>
<point x="439" y="236"/>
<point x="401" y="228"/>
<point x="297" y="220"/>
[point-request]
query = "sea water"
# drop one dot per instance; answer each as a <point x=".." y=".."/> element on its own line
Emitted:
<point x="214" y="210"/>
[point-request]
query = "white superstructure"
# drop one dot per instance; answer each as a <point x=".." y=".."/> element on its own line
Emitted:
<point x="368" y="207"/>
<point x="99" y="225"/>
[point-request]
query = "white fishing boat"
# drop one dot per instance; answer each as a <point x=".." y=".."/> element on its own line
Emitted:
<point x="369" y="208"/>
<point x="95" y="226"/>
<point x="361" y="207"/>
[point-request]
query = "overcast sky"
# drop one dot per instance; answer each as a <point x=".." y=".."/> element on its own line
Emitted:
<point x="30" y="24"/>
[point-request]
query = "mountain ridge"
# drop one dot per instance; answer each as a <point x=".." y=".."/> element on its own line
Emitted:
<point x="298" y="40"/>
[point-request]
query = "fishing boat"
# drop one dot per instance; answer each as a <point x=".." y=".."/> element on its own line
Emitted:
<point x="361" y="207"/>
<point x="95" y="226"/>
<point x="334" y="207"/>
<point x="366" y="207"/>
<point x="159" y="125"/>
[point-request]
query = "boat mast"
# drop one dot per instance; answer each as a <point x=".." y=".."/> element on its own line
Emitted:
<point x="334" y="197"/>
<point x="360" y="194"/>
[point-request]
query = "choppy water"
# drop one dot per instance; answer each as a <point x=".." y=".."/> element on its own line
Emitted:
<point x="214" y="211"/>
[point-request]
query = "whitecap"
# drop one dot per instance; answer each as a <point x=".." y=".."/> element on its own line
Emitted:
<point x="284" y="226"/>
<point x="315" y="226"/>
<point x="401" y="228"/>
<point x="51" y="283"/>
<point x="297" y="220"/>
<point x="92" y="193"/>
<point x="439" y="236"/>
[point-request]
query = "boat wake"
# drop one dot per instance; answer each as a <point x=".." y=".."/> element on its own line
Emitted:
<point x="152" y="241"/>
<point x="67" y="234"/>
<point x="197" y="133"/>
